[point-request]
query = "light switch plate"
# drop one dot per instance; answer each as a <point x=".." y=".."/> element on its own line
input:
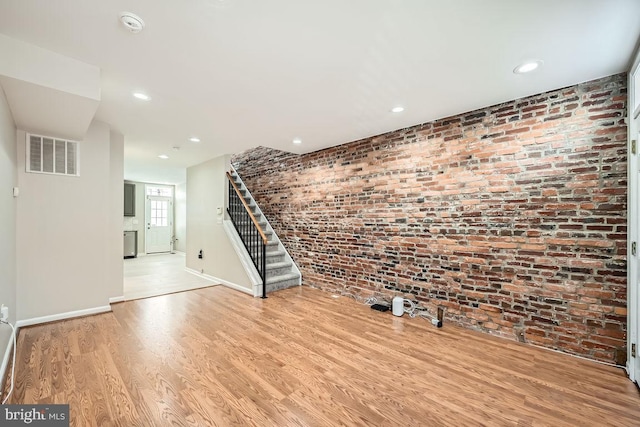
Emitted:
<point x="16" y="191"/>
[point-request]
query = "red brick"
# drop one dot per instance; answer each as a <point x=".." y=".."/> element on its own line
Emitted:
<point x="508" y="223"/>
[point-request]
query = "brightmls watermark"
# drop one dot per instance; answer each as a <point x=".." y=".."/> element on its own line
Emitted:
<point x="34" y="415"/>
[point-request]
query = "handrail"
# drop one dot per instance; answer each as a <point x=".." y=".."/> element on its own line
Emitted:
<point x="246" y="206"/>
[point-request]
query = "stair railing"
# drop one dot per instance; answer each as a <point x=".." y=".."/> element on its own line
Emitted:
<point x="249" y="230"/>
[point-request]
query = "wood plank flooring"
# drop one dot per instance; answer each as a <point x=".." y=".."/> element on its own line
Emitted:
<point x="159" y="274"/>
<point x="217" y="357"/>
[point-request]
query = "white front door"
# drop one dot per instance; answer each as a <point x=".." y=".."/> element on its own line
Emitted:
<point x="159" y="221"/>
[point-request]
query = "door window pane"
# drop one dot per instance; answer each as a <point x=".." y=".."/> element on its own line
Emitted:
<point x="159" y="211"/>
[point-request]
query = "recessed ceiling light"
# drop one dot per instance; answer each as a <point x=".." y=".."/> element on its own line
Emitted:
<point x="528" y="66"/>
<point x="194" y="139"/>
<point x="142" y="96"/>
<point x="297" y="141"/>
<point x="163" y="156"/>
<point x="397" y="109"/>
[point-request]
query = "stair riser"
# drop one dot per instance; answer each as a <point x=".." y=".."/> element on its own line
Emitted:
<point x="274" y="272"/>
<point x="274" y="258"/>
<point x="281" y="285"/>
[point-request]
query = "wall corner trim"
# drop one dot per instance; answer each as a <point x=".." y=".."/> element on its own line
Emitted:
<point x="7" y="356"/>
<point x="63" y="316"/>
<point x="115" y="300"/>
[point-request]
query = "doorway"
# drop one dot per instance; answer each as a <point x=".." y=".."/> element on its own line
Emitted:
<point x="158" y="220"/>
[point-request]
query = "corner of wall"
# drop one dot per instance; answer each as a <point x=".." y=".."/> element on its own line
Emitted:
<point x="116" y="202"/>
<point x="8" y="260"/>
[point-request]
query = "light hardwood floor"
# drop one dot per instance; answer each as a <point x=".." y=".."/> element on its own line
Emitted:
<point x="159" y="274"/>
<point x="215" y="356"/>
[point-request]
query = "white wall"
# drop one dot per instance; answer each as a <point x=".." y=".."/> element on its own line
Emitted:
<point x="206" y="190"/>
<point x="66" y="235"/>
<point x="116" y="203"/>
<point x="42" y="67"/>
<point x="48" y="92"/>
<point x="7" y="219"/>
<point x="180" y="219"/>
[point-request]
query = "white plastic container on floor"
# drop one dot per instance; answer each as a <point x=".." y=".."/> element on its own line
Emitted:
<point x="397" y="306"/>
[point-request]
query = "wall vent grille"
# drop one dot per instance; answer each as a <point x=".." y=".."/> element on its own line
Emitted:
<point x="51" y="155"/>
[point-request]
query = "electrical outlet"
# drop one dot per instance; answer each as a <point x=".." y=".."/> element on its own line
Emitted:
<point x="4" y="313"/>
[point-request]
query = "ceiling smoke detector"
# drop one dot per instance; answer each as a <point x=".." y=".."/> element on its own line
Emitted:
<point x="132" y="22"/>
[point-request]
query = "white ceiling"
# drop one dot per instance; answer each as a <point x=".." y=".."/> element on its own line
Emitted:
<point x="243" y="73"/>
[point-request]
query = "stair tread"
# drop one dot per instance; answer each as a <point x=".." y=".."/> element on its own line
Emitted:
<point x="282" y="278"/>
<point x="279" y="252"/>
<point x="280" y="264"/>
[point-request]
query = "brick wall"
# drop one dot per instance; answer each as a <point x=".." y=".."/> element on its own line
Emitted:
<point x="513" y="216"/>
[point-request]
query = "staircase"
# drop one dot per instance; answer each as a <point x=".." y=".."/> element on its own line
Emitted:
<point x="281" y="271"/>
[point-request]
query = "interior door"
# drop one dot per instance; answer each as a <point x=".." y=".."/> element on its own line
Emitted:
<point x="159" y="220"/>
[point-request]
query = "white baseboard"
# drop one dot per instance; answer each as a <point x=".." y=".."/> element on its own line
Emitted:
<point x="221" y="281"/>
<point x="586" y="359"/>
<point x="63" y="316"/>
<point x="116" y="300"/>
<point x="197" y="273"/>
<point x="7" y="356"/>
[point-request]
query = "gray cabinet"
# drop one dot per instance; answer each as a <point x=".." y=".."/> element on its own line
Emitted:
<point x="129" y="199"/>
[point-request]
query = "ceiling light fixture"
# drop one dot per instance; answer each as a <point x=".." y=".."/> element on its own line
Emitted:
<point x="132" y="22"/>
<point x="528" y="66"/>
<point x="142" y="96"/>
<point x="194" y="139"/>
<point x="397" y="109"/>
<point x="163" y="156"/>
<point x="297" y="141"/>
